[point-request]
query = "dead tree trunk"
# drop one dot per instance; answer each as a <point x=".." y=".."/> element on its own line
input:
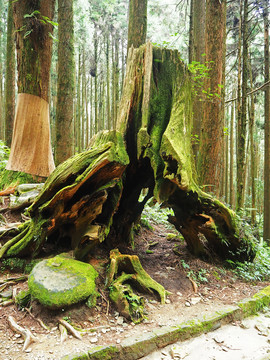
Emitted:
<point x="94" y="196"/>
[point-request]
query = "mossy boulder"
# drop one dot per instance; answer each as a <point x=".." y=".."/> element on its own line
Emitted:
<point x="61" y="281"/>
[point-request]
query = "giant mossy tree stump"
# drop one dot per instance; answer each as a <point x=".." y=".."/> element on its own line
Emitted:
<point x="94" y="195"/>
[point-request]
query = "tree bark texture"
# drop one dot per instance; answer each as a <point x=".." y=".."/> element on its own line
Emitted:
<point x="242" y="116"/>
<point x="66" y="82"/>
<point x="198" y="50"/>
<point x="212" y="130"/>
<point x="34" y="47"/>
<point x="95" y="196"/>
<point x="266" y="227"/>
<point x="137" y="23"/>
<point x="10" y="78"/>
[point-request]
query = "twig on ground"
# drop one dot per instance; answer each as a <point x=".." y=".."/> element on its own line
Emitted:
<point x="194" y="285"/>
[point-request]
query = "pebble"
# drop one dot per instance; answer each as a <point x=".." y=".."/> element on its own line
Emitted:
<point x="94" y="340"/>
<point x="179" y="294"/>
<point x="167" y="301"/>
<point x="28" y="350"/>
<point x="118" y="341"/>
<point x="188" y="304"/>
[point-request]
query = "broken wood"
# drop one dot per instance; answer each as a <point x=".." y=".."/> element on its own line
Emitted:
<point x="95" y="196"/>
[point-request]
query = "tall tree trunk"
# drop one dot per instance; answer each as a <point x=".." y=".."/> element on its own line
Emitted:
<point x="232" y="192"/>
<point x="266" y="226"/>
<point x="108" y="84"/>
<point x="66" y="86"/>
<point x="197" y="54"/>
<point x="78" y="105"/>
<point x="137" y="23"/>
<point x="10" y="78"/>
<point x="212" y="137"/>
<point x="242" y="117"/>
<point x="95" y="78"/>
<point x="31" y="144"/>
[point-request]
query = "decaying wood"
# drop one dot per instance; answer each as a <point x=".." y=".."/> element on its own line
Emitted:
<point x="95" y="196"/>
<point x="8" y="191"/>
<point x="71" y="329"/>
<point x="26" y="333"/>
<point x="31" y="131"/>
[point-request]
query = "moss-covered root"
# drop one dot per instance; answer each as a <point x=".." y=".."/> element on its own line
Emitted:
<point x="129" y="305"/>
<point x="132" y="275"/>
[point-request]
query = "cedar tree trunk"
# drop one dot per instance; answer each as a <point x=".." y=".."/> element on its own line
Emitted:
<point x="31" y="148"/>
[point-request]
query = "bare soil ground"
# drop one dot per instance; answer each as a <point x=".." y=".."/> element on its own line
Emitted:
<point x="167" y="261"/>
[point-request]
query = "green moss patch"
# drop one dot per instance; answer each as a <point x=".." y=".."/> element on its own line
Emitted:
<point x="60" y="282"/>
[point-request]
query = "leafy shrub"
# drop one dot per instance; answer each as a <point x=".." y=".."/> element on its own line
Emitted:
<point x="258" y="270"/>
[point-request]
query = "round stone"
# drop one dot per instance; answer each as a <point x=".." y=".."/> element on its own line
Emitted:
<point x="61" y="281"/>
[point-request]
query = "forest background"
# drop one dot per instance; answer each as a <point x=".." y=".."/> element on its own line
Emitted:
<point x="239" y="175"/>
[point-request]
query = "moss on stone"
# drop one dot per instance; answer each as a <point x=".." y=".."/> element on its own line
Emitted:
<point x="60" y="282"/>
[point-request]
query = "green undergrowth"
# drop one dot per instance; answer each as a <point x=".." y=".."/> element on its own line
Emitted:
<point x="154" y="214"/>
<point x="7" y="177"/>
<point x="258" y="270"/>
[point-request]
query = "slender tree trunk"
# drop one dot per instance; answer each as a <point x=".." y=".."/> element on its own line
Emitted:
<point x="78" y="104"/>
<point x="242" y="117"/>
<point x="137" y="23"/>
<point x="65" y="86"/>
<point x="31" y="144"/>
<point x="191" y="32"/>
<point x="2" y="124"/>
<point x="95" y="83"/>
<point x="10" y="78"/>
<point x="232" y="192"/>
<point x="83" y="101"/>
<point x="116" y="78"/>
<point x="108" y="84"/>
<point x="197" y="54"/>
<point x="266" y="227"/>
<point x="212" y="137"/>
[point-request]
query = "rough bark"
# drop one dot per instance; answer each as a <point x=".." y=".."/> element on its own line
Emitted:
<point x="94" y="196"/>
<point x="137" y="23"/>
<point x="212" y="129"/>
<point x="65" y="83"/>
<point x="266" y="226"/>
<point x="34" y="47"/>
<point x="242" y="115"/>
<point x="10" y="78"/>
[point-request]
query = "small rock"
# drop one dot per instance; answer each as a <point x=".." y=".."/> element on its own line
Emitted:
<point x="187" y="303"/>
<point x="179" y="294"/>
<point x="94" y="340"/>
<point x="118" y="341"/>
<point x="167" y="301"/>
<point x="28" y="350"/>
<point x="120" y="320"/>
<point x="195" y="300"/>
<point x="178" y="352"/>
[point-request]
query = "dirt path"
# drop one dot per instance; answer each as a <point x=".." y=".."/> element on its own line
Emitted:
<point x="248" y="339"/>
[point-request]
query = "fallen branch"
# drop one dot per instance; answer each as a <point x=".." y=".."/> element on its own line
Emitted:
<point x="26" y="333"/>
<point x="71" y="329"/>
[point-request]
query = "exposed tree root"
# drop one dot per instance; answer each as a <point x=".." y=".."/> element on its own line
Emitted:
<point x="63" y="333"/>
<point x="133" y="276"/>
<point x="26" y="333"/>
<point x="70" y="328"/>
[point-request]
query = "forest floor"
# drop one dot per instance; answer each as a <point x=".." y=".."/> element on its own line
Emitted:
<point x="197" y="287"/>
